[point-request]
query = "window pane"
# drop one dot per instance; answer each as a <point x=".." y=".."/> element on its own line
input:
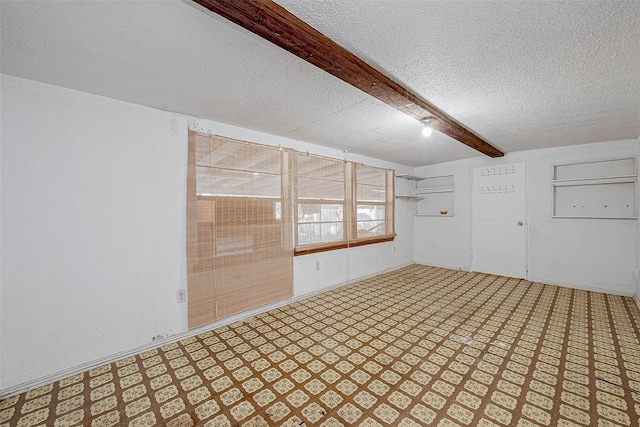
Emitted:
<point x="319" y="223"/>
<point x="314" y="188"/>
<point x="213" y="181"/>
<point x="223" y="153"/>
<point x="317" y="167"/>
<point x="371" y="220"/>
<point x="371" y="193"/>
<point x="369" y="175"/>
<point x="314" y="212"/>
<point x="371" y="184"/>
<point x="312" y="233"/>
<point x="374" y="202"/>
<point x="320" y="199"/>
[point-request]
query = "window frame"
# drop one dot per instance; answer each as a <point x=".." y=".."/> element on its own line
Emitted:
<point x="350" y="211"/>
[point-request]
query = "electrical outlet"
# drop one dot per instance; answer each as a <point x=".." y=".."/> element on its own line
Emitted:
<point x="162" y="336"/>
<point x="636" y="272"/>
<point x="317" y="265"/>
<point x="394" y="249"/>
<point x="182" y="295"/>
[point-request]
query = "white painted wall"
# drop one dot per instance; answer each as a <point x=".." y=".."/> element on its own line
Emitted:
<point x="93" y="227"/>
<point x="93" y="213"/>
<point x="1" y="253"/>
<point x="595" y="254"/>
<point x="637" y="290"/>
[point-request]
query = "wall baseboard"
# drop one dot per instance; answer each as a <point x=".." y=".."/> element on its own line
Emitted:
<point x="636" y="297"/>
<point x="584" y="287"/>
<point x="57" y="376"/>
<point x="448" y="267"/>
<point x="550" y="282"/>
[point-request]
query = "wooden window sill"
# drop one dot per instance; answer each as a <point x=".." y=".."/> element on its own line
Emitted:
<point x="303" y="251"/>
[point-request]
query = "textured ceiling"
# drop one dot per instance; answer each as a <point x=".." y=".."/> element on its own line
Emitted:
<point x="521" y="74"/>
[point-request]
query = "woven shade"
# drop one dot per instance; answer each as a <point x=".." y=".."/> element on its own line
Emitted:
<point x="320" y="200"/>
<point x="239" y="253"/>
<point x="374" y="202"/>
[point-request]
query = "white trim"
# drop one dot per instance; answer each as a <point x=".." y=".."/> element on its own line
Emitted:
<point x="584" y="288"/>
<point x="594" y="217"/>
<point x="434" y="190"/>
<point x="410" y="177"/>
<point x="594" y="181"/>
<point x="548" y="282"/>
<point x="57" y="376"/>
<point x="448" y="267"/>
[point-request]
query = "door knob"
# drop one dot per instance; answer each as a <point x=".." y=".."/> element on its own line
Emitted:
<point x="520" y="223"/>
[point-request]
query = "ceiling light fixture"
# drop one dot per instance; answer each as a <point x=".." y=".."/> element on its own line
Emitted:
<point x="426" y="122"/>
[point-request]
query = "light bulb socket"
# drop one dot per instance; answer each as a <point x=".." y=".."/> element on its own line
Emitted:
<point x="427" y="121"/>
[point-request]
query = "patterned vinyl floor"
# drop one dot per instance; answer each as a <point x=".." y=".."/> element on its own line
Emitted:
<point x="415" y="347"/>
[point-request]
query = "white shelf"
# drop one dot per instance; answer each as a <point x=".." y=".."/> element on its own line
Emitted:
<point x="410" y="177"/>
<point x="594" y="181"/>
<point x="433" y="190"/>
<point x="596" y="169"/>
<point x="410" y="198"/>
<point x="595" y="217"/>
<point x="602" y="189"/>
<point x="433" y="195"/>
<point x="406" y="197"/>
<point x="436" y="182"/>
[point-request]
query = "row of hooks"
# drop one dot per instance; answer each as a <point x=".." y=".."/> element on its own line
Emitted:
<point x="499" y="189"/>
<point x="498" y="170"/>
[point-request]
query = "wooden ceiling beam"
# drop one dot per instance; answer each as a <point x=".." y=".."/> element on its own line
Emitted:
<point x="277" y="25"/>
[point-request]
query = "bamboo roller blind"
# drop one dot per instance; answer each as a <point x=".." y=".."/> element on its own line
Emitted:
<point x="320" y="200"/>
<point x="239" y="227"/>
<point x="374" y="201"/>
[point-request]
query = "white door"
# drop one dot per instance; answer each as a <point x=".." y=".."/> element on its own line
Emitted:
<point x="498" y="225"/>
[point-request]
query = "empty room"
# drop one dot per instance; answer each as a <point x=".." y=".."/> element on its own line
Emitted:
<point x="319" y="213"/>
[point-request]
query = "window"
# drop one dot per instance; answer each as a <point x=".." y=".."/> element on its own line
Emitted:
<point x="371" y="201"/>
<point x="320" y="201"/>
<point x="340" y="204"/>
<point x="250" y="207"/>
